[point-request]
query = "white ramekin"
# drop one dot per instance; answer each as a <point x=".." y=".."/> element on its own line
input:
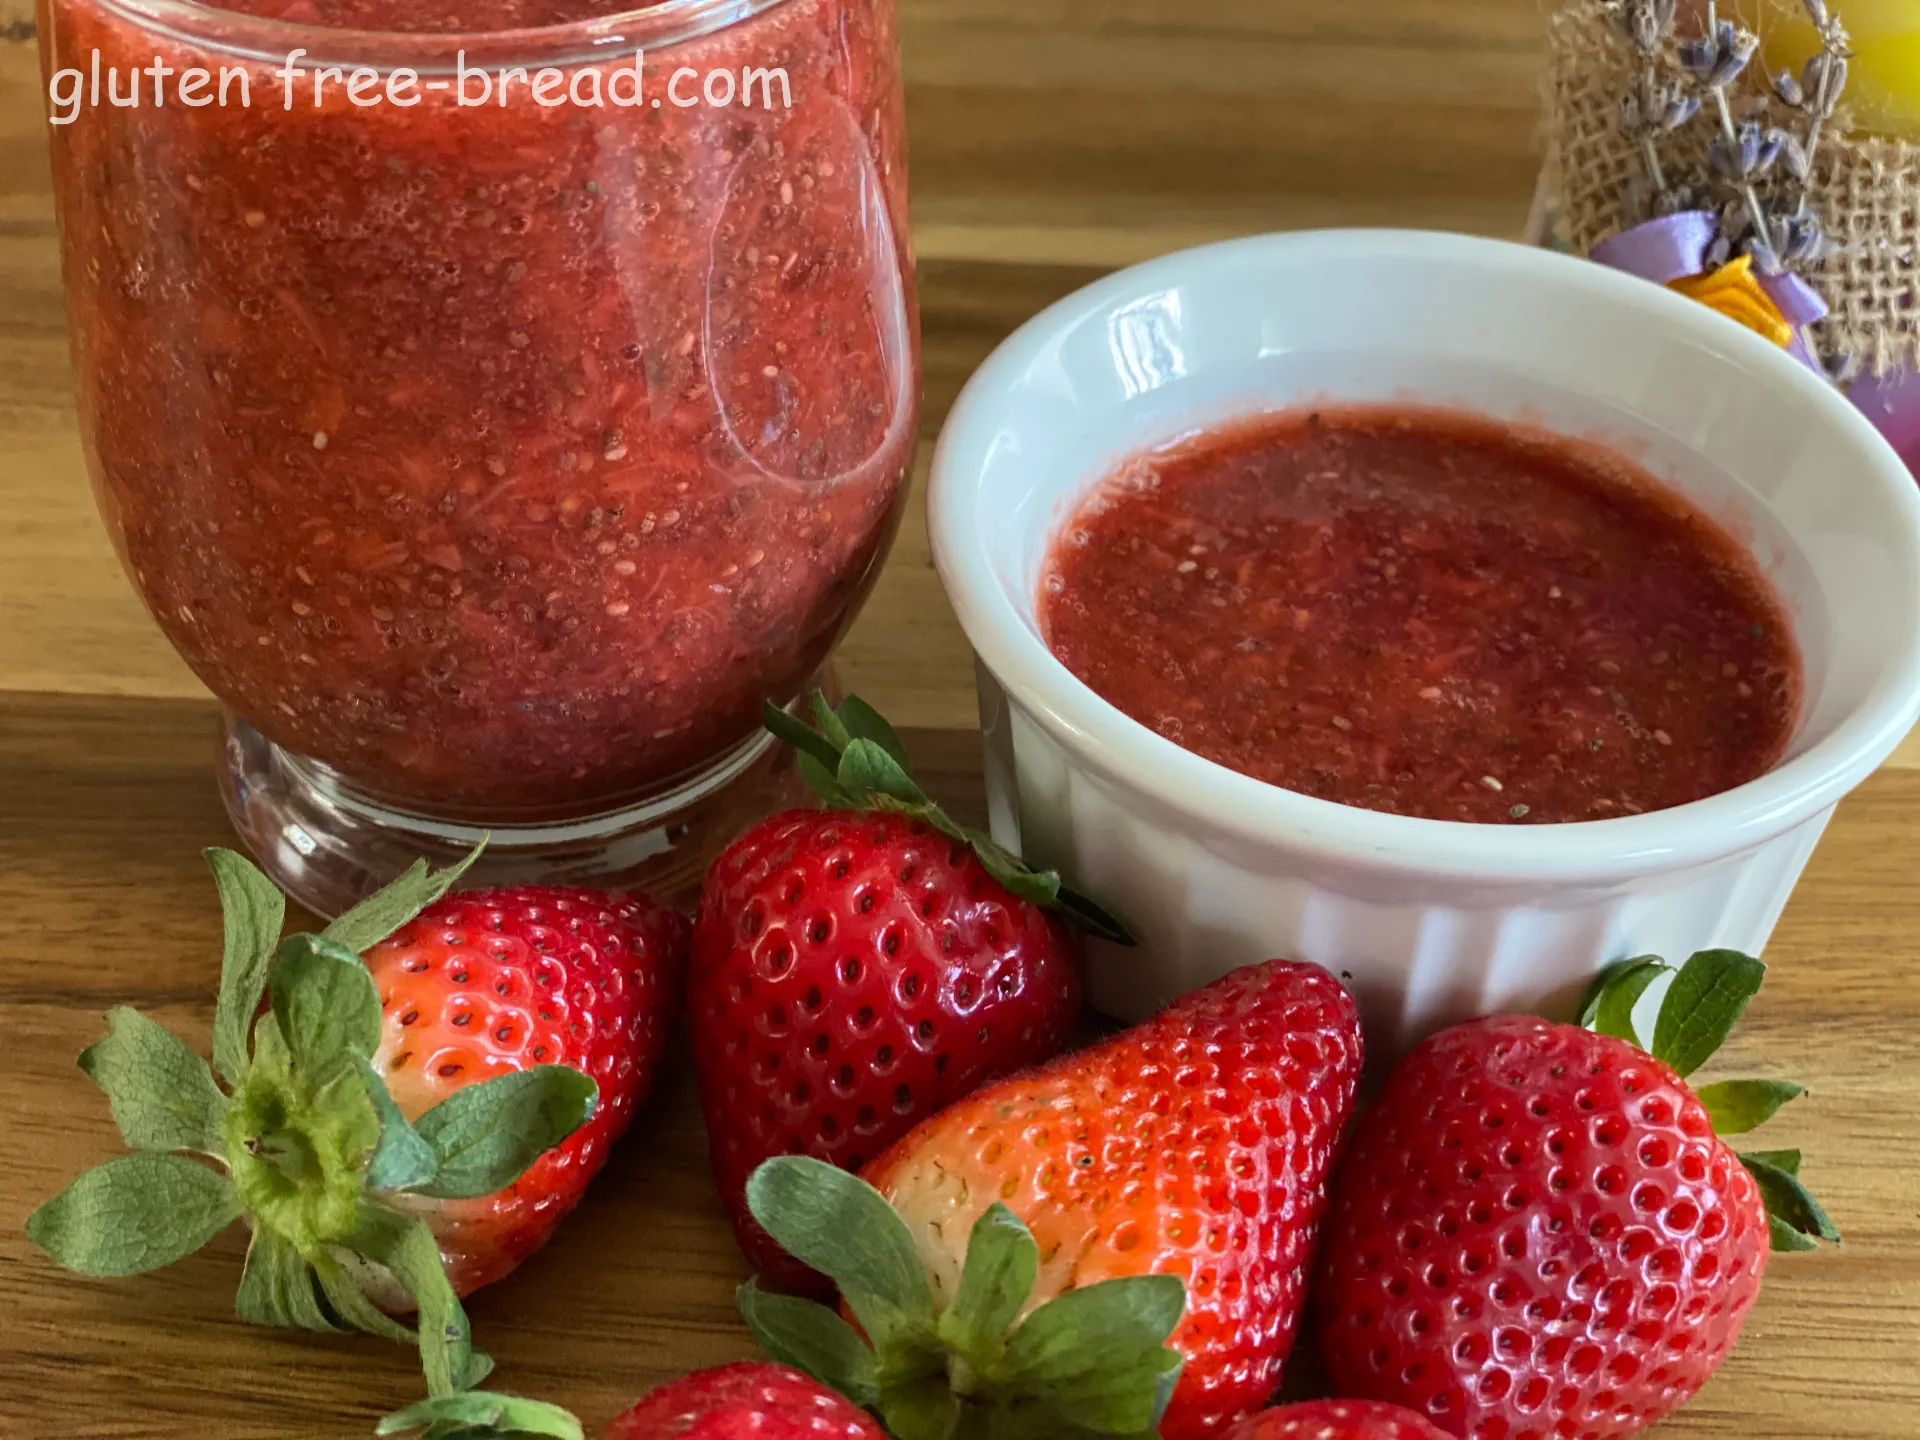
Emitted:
<point x="1431" y="920"/>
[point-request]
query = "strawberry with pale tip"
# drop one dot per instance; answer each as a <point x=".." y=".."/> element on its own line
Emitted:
<point x="1111" y="1245"/>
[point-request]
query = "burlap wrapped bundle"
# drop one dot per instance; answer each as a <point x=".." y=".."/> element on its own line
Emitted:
<point x="1865" y="189"/>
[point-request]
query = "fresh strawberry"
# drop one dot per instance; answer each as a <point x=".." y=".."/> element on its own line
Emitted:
<point x="1178" y="1166"/>
<point x="294" y="1130"/>
<point x="748" y="1401"/>
<point x="859" y="968"/>
<point x="1536" y="1232"/>
<point x="488" y="983"/>
<point x="1335" y="1420"/>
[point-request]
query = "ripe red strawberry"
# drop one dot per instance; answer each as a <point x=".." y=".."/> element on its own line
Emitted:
<point x="1182" y="1162"/>
<point x="748" y="1401"/>
<point x="490" y="982"/>
<point x="857" y="969"/>
<point x="1335" y="1420"/>
<point x="1536" y="1232"/>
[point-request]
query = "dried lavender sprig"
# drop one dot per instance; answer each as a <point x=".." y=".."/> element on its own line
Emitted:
<point x="1716" y="60"/>
<point x="1652" y="108"/>
<point x="1828" y="84"/>
<point x="1816" y="95"/>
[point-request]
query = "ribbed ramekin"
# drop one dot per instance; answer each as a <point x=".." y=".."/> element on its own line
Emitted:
<point x="1430" y="920"/>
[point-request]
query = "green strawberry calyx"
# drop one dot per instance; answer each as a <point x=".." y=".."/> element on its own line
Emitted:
<point x="854" y="760"/>
<point x="1093" y="1361"/>
<point x="482" y="1415"/>
<point x="292" y="1129"/>
<point x="1704" y="1000"/>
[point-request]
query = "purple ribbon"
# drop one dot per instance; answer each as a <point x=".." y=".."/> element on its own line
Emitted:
<point x="1801" y="304"/>
<point x="1662" y="250"/>
<point x="1892" y="403"/>
<point x="1794" y="298"/>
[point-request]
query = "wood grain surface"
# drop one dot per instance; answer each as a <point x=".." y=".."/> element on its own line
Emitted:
<point x="1052" y="139"/>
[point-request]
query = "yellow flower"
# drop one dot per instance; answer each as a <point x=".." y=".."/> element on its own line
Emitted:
<point x="1735" y="291"/>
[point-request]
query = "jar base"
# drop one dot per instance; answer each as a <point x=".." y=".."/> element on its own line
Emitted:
<point x="327" y="846"/>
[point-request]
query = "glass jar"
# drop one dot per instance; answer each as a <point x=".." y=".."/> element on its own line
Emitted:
<point x="492" y="418"/>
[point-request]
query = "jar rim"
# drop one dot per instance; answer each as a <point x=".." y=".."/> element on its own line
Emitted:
<point x="594" y="39"/>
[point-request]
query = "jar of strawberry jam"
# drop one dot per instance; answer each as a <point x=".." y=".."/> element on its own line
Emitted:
<point x="493" y="402"/>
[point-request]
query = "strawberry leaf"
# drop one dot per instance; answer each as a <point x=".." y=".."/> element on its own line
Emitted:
<point x="1787" y="1160"/>
<point x="1737" y="1106"/>
<point x="998" y="1275"/>
<point x="403" y="1160"/>
<point x="1608" y="1007"/>
<point x="478" y="1367"/>
<point x="821" y="781"/>
<point x="1042" y="887"/>
<point x="326" y="1003"/>
<point x="407" y="1248"/>
<point x="1788" y="1202"/>
<point x="845" y="1229"/>
<point x="387" y="909"/>
<point x="270" y="1056"/>
<point x="1098" y="1355"/>
<point x="1783" y="1237"/>
<point x="810" y="1338"/>
<point x="1094" y="918"/>
<point x="277" y="1286"/>
<point x="863" y="722"/>
<point x="479" y="1414"/>
<point x="484" y="1136"/>
<point x="161" y="1093"/>
<point x="351" y="1304"/>
<point x="829" y="721"/>
<point x="867" y="769"/>
<point x="794" y="731"/>
<point x="133" y="1214"/>
<point x="252" y="911"/>
<point x="924" y="1407"/>
<point x="1704" y="1003"/>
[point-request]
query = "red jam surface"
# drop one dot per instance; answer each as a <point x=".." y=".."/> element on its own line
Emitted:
<point x="501" y="458"/>
<point x="1429" y="614"/>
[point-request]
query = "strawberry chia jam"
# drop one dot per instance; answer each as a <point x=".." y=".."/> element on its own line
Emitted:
<point x="501" y="457"/>
<point x="1426" y="613"/>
